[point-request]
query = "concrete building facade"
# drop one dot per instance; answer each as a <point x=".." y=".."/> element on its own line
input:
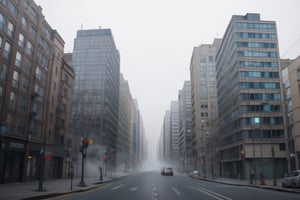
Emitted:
<point x="185" y="128"/>
<point x="204" y="103"/>
<point x="252" y="130"/>
<point x="124" y="124"/>
<point x="174" y="132"/>
<point x="290" y="77"/>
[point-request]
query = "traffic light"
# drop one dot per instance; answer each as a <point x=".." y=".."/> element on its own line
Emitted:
<point x="85" y="143"/>
<point x="105" y="156"/>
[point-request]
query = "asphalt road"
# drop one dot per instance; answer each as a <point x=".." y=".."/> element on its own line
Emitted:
<point x="153" y="186"/>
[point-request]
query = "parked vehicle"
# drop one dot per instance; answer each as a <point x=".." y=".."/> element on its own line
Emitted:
<point x="292" y="179"/>
<point x="167" y="171"/>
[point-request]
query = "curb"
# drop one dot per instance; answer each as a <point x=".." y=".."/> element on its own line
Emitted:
<point x="249" y="185"/>
<point x="51" y="195"/>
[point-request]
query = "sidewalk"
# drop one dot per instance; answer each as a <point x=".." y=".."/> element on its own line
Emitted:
<point x="29" y="190"/>
<point x="239" y="182"/>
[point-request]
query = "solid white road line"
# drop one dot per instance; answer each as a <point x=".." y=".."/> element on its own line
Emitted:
<point x="211" y="193"/>
<point x="117" y="187"/>
<point x="176" y="191"/>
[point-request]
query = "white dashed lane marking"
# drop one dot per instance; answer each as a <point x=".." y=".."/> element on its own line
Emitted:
<point x="133" y="189"/>
<point x="117" y="187"/>
<point x="176" y="191"/>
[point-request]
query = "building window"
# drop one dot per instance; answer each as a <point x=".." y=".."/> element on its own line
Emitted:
<point x="25" y="85"/>
<point x="13" y="9"/>
<point x="10" y="29"/>
<point x="4" y="2"/>
<point x="29" y="49"/>
<point x="21" y="40"/>
<point x="3" y="72"/>
<point x="28" y="66"/>
<point x="255" y="45"/>
<point x="23" y="104"/>
<point x="205" y="114"/>
<point x="12" y="101"/>
<point x="38" y="73"/>
<point x="282" y="147"/>
<point x="15" y="81"/>
<point x="24" y="23"/>
<point x="7" y="50"/>
<point x="2" y="21"/>
<point x="33" y="32"/>
<point x="255" y="25"/>
<point x="47" y="32"/>
<point x="38" y="92"/>
<point x="256" y="54"/>
<point x="202" y="59"/>
<point x="18" y="60"/>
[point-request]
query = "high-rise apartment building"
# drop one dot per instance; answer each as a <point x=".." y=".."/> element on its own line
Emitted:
<point x="166" y="137"/>
<point x="204" y="103"/>
<point x="174" y="131"/>
<point x="290" y="78"/>
<point x="252" y="131"/>
<point x="124" y="123"/>
<point x="95" y="109"/>
<point x="185" y="128"/>
<point x="34" y="82"/>
<point x="139" y="143"/>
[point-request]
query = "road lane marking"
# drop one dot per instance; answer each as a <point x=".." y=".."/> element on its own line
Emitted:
<point x="176" y="191"/>
<point x="211" y="193"/>
<point x="117" y="187"/>
<point x="154" y="193"/>
<point x="133" y="189"/>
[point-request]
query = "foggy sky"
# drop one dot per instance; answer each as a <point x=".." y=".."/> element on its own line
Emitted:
<point x="156" y="38"/>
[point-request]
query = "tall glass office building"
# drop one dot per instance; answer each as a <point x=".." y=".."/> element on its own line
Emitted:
<point x="96" y="62"/>
<point x="249" y="100"/>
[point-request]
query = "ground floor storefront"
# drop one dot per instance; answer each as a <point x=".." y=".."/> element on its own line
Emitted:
<point x="22" y="161"/>
<point x="268" y="168"/>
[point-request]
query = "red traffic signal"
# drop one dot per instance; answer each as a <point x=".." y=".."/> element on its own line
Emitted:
<point x="85" y="143"/>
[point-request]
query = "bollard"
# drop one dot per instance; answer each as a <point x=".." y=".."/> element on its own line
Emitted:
<point x="100" y="170"/>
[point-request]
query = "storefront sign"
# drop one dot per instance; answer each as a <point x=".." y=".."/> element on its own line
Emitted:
<point x="16" y="145"/>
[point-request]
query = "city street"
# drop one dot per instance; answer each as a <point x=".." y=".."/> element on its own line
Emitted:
<point x="153" y="186"/>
